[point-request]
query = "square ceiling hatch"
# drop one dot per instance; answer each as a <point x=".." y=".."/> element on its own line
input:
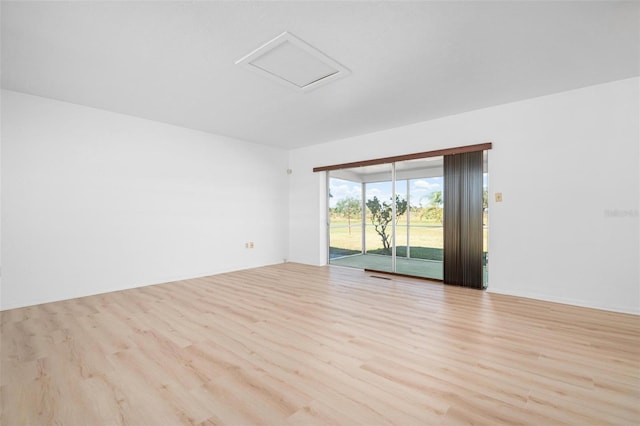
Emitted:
<point x="294" y="63"/>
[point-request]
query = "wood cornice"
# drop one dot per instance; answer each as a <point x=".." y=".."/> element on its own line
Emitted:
<point x="427" y="154"/>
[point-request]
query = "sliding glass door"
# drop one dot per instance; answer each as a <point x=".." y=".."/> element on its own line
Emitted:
<point x="423" y="214"/>
<point x="388" y="217"/>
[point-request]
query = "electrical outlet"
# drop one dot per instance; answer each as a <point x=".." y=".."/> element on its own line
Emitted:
<point x="250" y="244"/>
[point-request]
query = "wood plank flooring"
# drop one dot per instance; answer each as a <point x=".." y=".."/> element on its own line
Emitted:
<point x="300" y="345"/>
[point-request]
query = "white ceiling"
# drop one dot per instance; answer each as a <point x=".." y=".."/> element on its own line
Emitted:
<point x="409" y="61"/>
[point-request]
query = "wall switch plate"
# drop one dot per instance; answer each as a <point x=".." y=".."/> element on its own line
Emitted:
<point x="498" y="197"/>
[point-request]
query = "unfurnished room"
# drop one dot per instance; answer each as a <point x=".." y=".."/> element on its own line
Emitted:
<point x="320" y="212"/>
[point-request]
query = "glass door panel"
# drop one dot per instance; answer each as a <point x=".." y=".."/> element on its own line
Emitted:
<point x="345" y="218"/>
<point x="379" y="221"/>
<point x="360" y="213"/>
<point x="420" y="232"/>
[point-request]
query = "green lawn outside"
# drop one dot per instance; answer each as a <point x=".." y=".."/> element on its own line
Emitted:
<point x="422" y="233"/>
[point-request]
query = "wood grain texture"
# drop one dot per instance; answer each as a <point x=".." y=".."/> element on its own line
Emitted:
<point x="386" y="160"/>
<point x="300" y="345"/>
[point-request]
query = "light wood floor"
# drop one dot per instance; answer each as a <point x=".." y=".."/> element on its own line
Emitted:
<point x="295" y="344"/>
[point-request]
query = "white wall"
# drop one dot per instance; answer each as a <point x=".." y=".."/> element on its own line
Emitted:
<point x="565" y="163"/>
<point x="94" y="201"/>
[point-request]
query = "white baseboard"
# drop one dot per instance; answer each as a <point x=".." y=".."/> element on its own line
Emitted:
<point x="566" y="301"/>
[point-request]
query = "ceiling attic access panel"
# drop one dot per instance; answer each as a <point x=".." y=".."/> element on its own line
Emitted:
<point x="294" y="63"/>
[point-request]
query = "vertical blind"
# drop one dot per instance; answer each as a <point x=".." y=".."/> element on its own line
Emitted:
<point x="463" y="219"/>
